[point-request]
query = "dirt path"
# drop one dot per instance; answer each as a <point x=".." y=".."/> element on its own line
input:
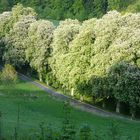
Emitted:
<point x="75" y="103"/>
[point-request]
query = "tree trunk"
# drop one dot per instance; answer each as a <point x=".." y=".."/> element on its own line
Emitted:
<point x="40" y="77"/>
<point x="94" y="99"/>
<point x="133" y="114"/>
<point x="103" y="104"/>
<point x="81" y="98"/>
<point x="47" y="82"/>
<point x="118" y="107"/>
<point x="72" y="92"/>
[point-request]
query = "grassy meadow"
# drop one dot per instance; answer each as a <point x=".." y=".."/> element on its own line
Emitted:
<point x="36" y="106"/>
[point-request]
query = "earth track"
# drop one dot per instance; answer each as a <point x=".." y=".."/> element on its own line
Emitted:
<point x="75" y="103"/>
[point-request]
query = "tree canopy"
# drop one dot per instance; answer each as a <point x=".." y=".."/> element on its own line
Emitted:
<point x="15" y="40"/>
<point x="79" y="9"/>
<point x="38" y="50"/>
<point x="99" y="58"/>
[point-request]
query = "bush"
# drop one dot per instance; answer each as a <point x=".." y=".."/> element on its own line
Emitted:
<point x="8" y="75"/>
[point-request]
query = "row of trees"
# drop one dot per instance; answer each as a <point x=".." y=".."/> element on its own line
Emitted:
<point x="79" y="9"/>
<point x="99" y="58"/>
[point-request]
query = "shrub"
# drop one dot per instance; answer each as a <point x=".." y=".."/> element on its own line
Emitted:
<point x="8" y="75"/>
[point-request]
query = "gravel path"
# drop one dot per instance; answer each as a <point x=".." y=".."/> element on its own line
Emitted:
<point x="75" y="103"/>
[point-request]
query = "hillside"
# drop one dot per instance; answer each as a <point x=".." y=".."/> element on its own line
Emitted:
<point x="79" y="9"/>
<point x="95" y="63"/>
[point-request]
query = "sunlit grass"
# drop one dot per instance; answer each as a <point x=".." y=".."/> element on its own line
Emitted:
<point x="36" y="107"/>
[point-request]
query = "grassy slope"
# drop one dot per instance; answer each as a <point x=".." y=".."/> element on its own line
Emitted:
<point x="48" y="110"/>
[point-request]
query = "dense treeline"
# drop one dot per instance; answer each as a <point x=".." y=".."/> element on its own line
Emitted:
<point x="98" y="58"/>
<point x="79" y="9"/>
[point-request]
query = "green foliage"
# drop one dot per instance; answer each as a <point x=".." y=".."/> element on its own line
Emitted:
<point x="63" y="36"/>
<point x="5" y="19"/>
<point x="15" y="42"/>
<point x="50" y="133"/>
<point x="5" y="25"/>
<point x="85" y="132"/>
<point x="8" y="75"/>
<point x="58" y="9"/>
<point x="125" y="83"/>
<point x="84" y="57"/>
<point x="80" y="9"/>
<point x="38" y="45"/>
<point x="114" y="133"/>
<point x="83" y="54"/>
<point x="19" y="11"/>
<point x="68" y="129"/>
<point x="119" y="4"/>
<point x="134" y="7"/>
<point x="100" y="87"/>
<point x="16" y="39"/>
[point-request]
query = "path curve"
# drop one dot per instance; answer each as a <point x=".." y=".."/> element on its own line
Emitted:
<point x="75" y="103"/>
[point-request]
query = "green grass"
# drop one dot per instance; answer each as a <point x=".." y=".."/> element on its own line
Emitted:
<point x="43" y="108"/>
